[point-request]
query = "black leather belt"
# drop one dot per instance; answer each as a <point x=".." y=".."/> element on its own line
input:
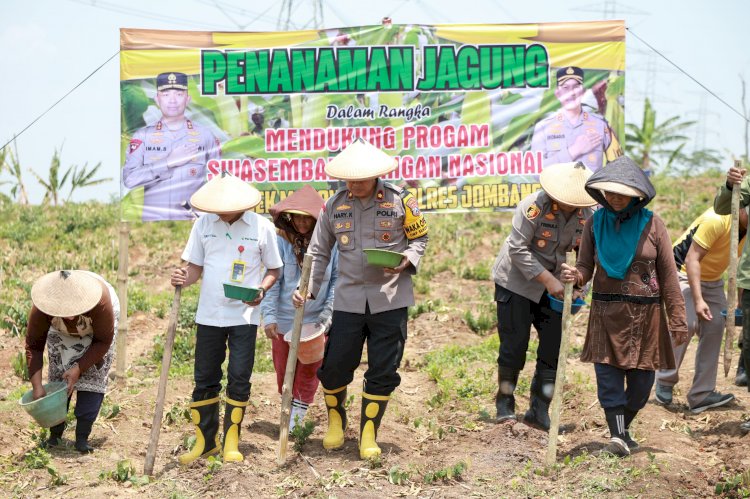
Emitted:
<point x="641" y="300"/>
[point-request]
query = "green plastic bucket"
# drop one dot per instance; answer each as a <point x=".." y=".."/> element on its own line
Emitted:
<point x="51" y="409"/>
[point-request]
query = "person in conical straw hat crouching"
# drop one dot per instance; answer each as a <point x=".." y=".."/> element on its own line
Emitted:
<point x="295" y="218"/>
<point x="371" y="302"/>
<point x="75" y="314"/>
<point x="546" y="225"/>
<point x="228" y="244"/>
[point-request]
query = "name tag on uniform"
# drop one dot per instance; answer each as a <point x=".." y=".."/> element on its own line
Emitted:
<point x="238" y="271"/>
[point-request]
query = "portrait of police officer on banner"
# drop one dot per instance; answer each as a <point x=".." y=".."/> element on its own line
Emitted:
<point x="572" y="134"/>
<point x="168" y="159"/>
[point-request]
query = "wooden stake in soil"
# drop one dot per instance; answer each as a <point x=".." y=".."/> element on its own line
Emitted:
<point x="122" y="291"/>
<point x="732" y="273"/>
<point x="562" y="358"/>
<point x="291" y="364"/>
<point x="166" y="360"/>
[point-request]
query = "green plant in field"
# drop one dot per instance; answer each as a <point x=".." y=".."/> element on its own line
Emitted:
<point x="56" y="478"/>
<point x="734" y="485"/>
<point x="177" y="414"/>
<point x="109" y="410"/>
<point x="478" y="272"/>
<point x="485" y="321"/>
<point x="448" y="473"/>
<point x="397" y="476"/>
<point x="301" y="434"/>
<point x="14" y="316"/>
<point x="37" y="458"/>
<point x="426" y="306"/>
<point x="124" y="472"/>
<point x="20" y="368"/>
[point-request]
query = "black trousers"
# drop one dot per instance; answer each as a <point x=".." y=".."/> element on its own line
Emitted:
<point x="385" y="334"/>
<point x="745" y="337"/>
<point x="515" y="316"/>
<point x="610" y="386"/>
<point x="211" y="350"/>
<point x="87" y="405"/>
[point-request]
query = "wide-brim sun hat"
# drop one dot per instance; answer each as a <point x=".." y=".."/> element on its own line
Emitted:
<point x="311" y="343"/>
<point x="360" y="160"/>
<point x="618" y="188"/>
<point x="66" y="293"/>
<point x="565" y="183"/>
<point x="225" y="194"/>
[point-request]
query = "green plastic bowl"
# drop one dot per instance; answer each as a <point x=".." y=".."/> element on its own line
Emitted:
<point x="240" y="292"/>
<point x="383" y="258"/>
<point x="51" y="409"/>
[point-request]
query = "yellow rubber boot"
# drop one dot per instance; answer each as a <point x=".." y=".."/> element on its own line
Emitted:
<point x="205" y="416"/>
<point x="373" y="408"/>
<point x="335" y="399"/>
<point x="233" y="415"/>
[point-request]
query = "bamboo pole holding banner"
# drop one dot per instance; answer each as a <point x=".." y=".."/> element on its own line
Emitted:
<point x="291" y="364"/>
<point x="732" y="273"/>
<point x="562" y="359"/>
<point x="121" y="364"/>
<point x="166" y="360"/>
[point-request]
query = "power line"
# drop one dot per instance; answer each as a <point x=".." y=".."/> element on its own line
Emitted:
<point x="689" y="75"/>
<point x="60" y="100"/>
<point x="98" y="4"/>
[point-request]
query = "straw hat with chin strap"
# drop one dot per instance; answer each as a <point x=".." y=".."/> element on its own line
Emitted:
<point x="66" y="293"/>
<point x="565" y="183"/>
<point x="360" y="161"/>
<point x="225" y="194"/>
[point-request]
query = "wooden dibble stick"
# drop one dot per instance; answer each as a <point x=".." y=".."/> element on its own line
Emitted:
<point x="166" y="360"/>
<point x="291" y="364"/>
<point x="562" y="358"/>
<point x="732" y="273"/>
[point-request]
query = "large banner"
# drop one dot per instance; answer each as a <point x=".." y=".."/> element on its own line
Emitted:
<point x="472" y="113"/>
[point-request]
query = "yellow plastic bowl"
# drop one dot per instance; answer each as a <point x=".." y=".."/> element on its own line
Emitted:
<point x="383" y="258"/>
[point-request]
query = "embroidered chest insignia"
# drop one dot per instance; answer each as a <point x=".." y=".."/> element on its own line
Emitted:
<point x="549" y="216"/>
<point x="343" y="207"/>
<point x="546" y="234"/>
<point x="386" y="205"/>
<point x="193" y="172"/>
<point x="385" y="224"/>
<point x="386" y="236"/>
<point x="344" y="239"/>
<point x="541" y="243"/>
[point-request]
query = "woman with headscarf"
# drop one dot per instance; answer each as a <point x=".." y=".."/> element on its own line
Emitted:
<point x="75" y="314"/>
<point x="636" y="301"/>
<point x="295" y="218"/>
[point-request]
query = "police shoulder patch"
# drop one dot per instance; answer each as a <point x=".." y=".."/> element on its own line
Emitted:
<point x="415" y="224"/>
<point x="532" y="211"/>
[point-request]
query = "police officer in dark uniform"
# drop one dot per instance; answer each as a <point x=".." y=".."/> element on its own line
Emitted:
<point x="546" y="225"/>
<point x="169" y="159"/>
<point x="370" y="302"/>
<point x="573" y="134"/>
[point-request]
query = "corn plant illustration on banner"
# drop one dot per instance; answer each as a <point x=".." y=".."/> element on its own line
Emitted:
<point x="472" y="113"/>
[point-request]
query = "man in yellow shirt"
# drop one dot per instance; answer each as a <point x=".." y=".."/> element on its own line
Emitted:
<point x="702" y="256"/>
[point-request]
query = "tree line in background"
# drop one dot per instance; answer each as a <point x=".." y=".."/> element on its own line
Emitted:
<point x="75" y="177"/>
<point x="656" y="146"/>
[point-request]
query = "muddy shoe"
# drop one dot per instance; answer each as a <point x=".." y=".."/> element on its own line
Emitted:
<point x="663" y="394"/>
<point x="714" y="399"/>
<point x="632" y="444"/>
<point x="616" y="447"/>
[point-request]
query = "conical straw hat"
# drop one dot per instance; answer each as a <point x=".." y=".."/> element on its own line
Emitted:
<point x="360" y="161"/>
<point x="66" y="293"/>
<point x="225" y="194"/>
<point x="565" y="183"/>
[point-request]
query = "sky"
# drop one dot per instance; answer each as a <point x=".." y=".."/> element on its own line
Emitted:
<point x="50" y="47"/>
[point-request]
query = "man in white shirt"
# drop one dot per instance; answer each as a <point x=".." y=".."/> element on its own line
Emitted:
<point x="228" y="244"/>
